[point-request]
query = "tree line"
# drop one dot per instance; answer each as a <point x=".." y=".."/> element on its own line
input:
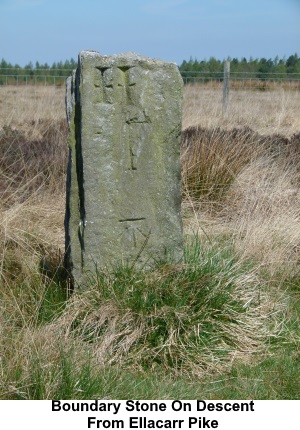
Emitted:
<point x="56" y="69"/>
<point x="37" y="73"/>
<point x="258" y="68"/>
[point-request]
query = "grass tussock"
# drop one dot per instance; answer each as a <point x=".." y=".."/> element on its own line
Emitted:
<point x="222" y="324"/>
<point x="27" y="165"/>
<point x="212" y="158"/>
<point x="191" y="320"/>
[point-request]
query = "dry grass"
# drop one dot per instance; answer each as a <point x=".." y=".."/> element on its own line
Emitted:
<point x="24" y="108"/>
<point x="263" y="208"/>
<point x="267" y="112"/>
<point x="247" y="188"/>
<point x="212" y="159"/>
<point x="245" y="169"/>
<point x="33" y="157"/>
<point x="240" y="191"/>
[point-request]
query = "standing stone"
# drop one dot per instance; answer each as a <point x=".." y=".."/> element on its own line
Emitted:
<point x="123" y="181"/>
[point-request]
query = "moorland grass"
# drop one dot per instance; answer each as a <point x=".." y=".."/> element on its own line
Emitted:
<point x="180" y="323"/>
<point x="222" y="324"/>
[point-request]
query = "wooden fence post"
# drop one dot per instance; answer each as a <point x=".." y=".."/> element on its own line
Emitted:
<point x="226" y="85"/>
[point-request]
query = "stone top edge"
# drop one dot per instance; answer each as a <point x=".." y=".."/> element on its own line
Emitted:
<point x="128" y="56"/>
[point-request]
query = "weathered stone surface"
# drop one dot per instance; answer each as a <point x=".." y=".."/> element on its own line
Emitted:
<point x="123" y="182"/>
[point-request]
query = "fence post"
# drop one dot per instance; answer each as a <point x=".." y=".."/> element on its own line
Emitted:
<point x="226" y="85"/>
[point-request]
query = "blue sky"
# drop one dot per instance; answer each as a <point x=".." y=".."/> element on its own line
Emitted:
<point x="174" y="30"/>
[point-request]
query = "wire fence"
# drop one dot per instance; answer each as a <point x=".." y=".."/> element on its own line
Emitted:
<point x="37" y="94"/>
<point x="251" y="81"/>
<point x="236" y="87"/>
<point x="32" y="80"/>
<point x="244" y="80"/>
<point x="56" y="77"/>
